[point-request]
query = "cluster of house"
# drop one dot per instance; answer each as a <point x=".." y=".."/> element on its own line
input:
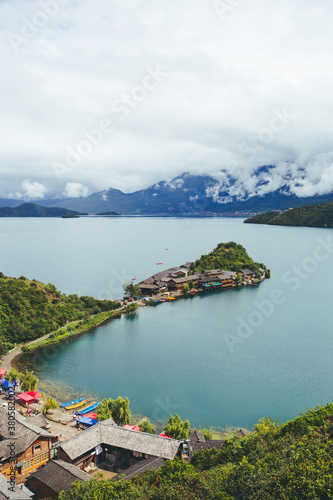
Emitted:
<point x="175" y="278"/>
<point x="41" y="466"/>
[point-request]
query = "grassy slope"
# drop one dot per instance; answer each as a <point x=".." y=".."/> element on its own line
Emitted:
<point x="291" y="461"/>
<point x="310" y="215"/>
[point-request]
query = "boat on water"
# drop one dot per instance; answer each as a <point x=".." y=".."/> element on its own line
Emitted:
<point x="159" y="264"/>
<point x="71" y="402"/>
<point x="89" y="408"/>
<point x="169" y="299"/>
<point x="77" y="405"/>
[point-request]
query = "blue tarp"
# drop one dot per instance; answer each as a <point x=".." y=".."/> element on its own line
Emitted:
<point x="87" y="421"/>
<point x="7" y="385"/>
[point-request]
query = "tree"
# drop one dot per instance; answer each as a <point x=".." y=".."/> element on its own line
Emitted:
<point x="191" y="284"/>
<point x="117" y="409"/>
<point x="131" y="290"/>
<point x="176" y="428"/>
<point x="208" y="433"/>
<point x="49" y="404"/>
<point x="186" y="288"/>
<point x="13" y="375"/>
<point x="146" y="426"/>
<point x="121" y="413"/>
<point x="28" y="381"/>
<point x="105" y="409"/>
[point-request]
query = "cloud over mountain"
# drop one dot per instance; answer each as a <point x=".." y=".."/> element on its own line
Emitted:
<point x="135" y="92"/>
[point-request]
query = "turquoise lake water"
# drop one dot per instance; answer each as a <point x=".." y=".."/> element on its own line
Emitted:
<point x="221" y="359"/>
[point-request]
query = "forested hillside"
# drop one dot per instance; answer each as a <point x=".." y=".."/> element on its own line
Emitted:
<point x="229" y="257"/>
<point x="33" y="210"/>
<point x="30" y="309"/>
<point x="293" y="461"/>
<point x="310" y="215"/>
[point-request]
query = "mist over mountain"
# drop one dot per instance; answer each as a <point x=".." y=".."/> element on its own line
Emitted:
<point x="192" y="194"/>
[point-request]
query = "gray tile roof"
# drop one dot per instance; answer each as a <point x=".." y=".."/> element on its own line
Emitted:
<point x="111" y="435"/>
<point x="20" y="493"/>
<point x="197" y="436"/>
<point x="39" y="421"/>
<point x="26" y="433"/>
<point x="140" y="467"/>
<point x="247" y="272"/>
<point x="207" y="445"/>
<point x="59" y="475"/>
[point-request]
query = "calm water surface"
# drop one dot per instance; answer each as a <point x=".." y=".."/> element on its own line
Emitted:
<point x="188" y="356"/>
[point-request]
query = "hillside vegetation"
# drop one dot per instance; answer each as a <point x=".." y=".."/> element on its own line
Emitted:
<point x="293" y="461"/>
<point x="30" y="309"/>
<point x="310" y="215"/>
<point x="228" y="257"/>
<point x="33" y="210"/>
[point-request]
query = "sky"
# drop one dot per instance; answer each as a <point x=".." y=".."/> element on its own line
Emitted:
<point x="124" y="94"/>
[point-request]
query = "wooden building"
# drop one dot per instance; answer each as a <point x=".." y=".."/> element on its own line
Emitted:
<point x="248" y="276"/>
<point x="54" y="477"/>
<point x="118" y="448"/>
<point x="29" y="446"/>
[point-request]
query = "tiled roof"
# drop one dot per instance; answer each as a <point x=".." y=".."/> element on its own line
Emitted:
<point x="108" y="433"/>
<point x="139" y="467"/>
<point x="59" y="475"/>
<point x="26" y="433"/>
<point x="20" y="493"/>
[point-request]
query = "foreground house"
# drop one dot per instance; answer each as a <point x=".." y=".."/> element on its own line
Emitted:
<point x="115" y="447"/>
<point x="54" y="477"/>
<point x="17" y="492"/>
<point x="30" y="445"/>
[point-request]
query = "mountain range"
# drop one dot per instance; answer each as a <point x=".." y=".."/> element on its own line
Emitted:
<point x="185" y="194"/>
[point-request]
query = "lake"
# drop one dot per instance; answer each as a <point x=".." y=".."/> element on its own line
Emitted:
<point x="221" y="359"/>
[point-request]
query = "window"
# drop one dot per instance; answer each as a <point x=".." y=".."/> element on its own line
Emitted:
<point x="37" y="447"/>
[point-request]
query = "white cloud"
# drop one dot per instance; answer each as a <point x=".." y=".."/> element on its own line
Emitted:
<point x="75" y="190"/>
<point x="226" y="79"/>
<point x="31" y="191"/>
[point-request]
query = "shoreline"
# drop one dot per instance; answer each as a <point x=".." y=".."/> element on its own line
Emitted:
<point x="10" y="360"/>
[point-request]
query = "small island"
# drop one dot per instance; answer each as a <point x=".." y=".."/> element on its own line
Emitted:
<point x="67" y="215"/>
<point x="320" y="215"/>
<point x="108" y="214"/>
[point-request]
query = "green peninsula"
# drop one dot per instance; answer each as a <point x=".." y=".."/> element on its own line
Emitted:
<point x="310" y="216"/>
<point x="30" y="310"/>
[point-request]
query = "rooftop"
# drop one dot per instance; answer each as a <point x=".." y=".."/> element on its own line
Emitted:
<point x="20" y="492"/>
<point x="59" y="475"/>
<point x="142" y="466"/>
<point x="26" y="433"/>
<point x="107" y="433"/>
